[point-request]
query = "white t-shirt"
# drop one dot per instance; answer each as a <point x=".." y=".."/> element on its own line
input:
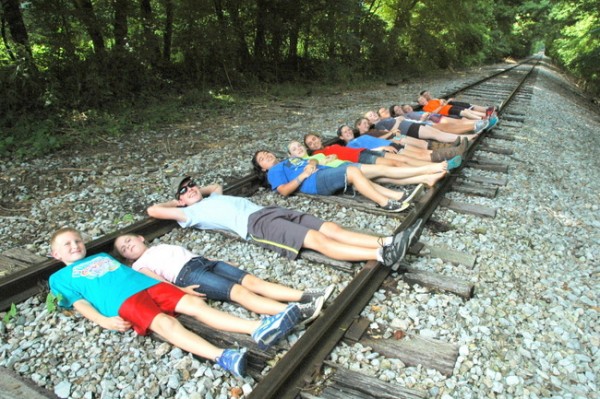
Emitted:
<point x="165" y="260"/>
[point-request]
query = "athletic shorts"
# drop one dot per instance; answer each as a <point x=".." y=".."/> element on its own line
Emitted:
<point x="215" y="278"/>
<point x="140" y="309"/>
<point x="455" y="110"/>
<point x="461" y="104"/>
<point x="369" y="157"/>
<point x="410" y="129"/>
<point x="281" y="230"/>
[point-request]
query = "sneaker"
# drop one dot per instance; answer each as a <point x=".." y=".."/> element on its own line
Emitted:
<point x="394" y="253"/>
<point x="310" y="294"/>
<point x="480" y="126"/>
<point x="273" y="328"/>
<point x="492" y="122"/>
<point x="394" y="206"/>
<point x="454" y="162"/>
<point x="233" y="361"/>
<point x="414" y="193"/>
<point x="456" y="142"/>
<point x="414" y="232"/>
<point x="490" y="111"/>
<point x="311" y="310"/>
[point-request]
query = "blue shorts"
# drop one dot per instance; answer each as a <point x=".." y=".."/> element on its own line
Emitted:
<point x="332" y="180"/>
<point x="215" y="278"/>
<point x="369" y="157"/>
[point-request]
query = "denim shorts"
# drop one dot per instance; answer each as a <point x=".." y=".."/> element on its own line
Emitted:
<point x="216" y="279"/>
<point x="332" y="180"/>
<point x="369" y="157"/>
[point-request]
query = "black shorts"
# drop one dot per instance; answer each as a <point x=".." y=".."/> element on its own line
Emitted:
<point x="455" y="110"/>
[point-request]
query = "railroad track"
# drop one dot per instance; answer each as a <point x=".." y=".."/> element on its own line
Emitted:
<point x="296" y="369"/>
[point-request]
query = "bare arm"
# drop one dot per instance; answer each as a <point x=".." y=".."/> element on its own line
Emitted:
<point x="167" y="210"/>
<point x="88" y="311"/>
<point x="213" y="188"/>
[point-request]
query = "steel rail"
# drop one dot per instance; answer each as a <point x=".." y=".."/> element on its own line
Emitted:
<point x="287" y="377"/>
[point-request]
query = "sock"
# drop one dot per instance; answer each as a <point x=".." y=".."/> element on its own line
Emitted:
<point x="380" y="254"/>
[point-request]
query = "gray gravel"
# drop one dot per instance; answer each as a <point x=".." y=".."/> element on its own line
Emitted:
<point x="531" y="331"/>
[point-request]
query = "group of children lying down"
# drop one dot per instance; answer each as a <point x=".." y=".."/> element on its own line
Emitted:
<point x="148" y="285"/>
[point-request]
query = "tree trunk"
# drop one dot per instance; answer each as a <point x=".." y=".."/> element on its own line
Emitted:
<point x="152" y="44"/>
<point x="85" y="12"/>
<point x="120" y="23"/>
<point x="168" y="37"/>
<point x="13" y="17"/>
<point x="238" y="27"/>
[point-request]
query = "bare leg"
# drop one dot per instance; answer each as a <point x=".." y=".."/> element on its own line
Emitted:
<point x="335" y="249"/>
<point x="406" y="159"/>
<point x="428" y="180"/>
<point x="337" y="233"/>
<point x="457" y="126"/>
<point x="413" y="142"/>
<point x="467" y="113"/>
<point x="364" y="186"/>
<point x="255" y="303"/>
<point x="274" y="291"/>
<point x="199" y="309"/>
<point x="428" y="132"/>
<point x="173" y="331"/>
<point x="374" y="171"/>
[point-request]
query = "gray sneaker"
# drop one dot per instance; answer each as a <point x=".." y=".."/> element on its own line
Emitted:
<point x="311" y="310"/>
<point x="310" y="294"/>
<point x="395" y="252"/>
<point x="394" y="206"/>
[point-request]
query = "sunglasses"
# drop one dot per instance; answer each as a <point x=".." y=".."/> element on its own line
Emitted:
<point x="184" y="189"/>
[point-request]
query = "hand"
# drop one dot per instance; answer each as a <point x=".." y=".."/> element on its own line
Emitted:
<point x="191" y="290"/>
<point x="116" y="323"/>
<point x="309" y="170"/>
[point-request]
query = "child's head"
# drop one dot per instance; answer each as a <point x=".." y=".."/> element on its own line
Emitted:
<point x="372" y="117"/>
<point x="187" y="192"/>
<point x="406" y="108"/>
<point x="395" y="110"/>
<point x="345" y="133"/>
<point x="67" y="245"/>
<point x="422" y="100"/>
<point x="384" y="113"/>
<point x="313" y="141"/>
<point x="296" y="149"/>
<point x="130" y="246"/>
<point x="263" y="160"/>
<point x="362" y="125"/>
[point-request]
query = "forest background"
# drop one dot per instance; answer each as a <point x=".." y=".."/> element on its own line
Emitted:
<point x="87" y="68"/>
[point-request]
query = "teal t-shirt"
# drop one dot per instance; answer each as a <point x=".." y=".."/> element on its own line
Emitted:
<point x="101" y="280"/>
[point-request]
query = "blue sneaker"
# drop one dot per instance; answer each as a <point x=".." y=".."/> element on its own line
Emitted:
<point x="492" y="122"/>
<point x="454" y="162"/>
<point x="273" y="328"/>
<point x="233" y="361"/>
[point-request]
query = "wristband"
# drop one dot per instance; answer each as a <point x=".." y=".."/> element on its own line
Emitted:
<point x="299" y="181"/>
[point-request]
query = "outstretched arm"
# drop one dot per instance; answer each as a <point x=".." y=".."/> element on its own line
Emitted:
<point x="88" y="311"/>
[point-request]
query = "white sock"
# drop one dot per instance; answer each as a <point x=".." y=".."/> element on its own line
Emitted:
<point x="380" y="254"/>
<point x="388" y="241"/>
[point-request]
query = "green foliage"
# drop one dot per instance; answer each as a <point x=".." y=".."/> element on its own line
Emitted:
<point x="574" y="40"/>
<point x="52" y="301"/>
<point x="74" y="62"/>
<point x="12" y="312"/>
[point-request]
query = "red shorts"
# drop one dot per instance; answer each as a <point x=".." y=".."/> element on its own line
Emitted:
<point x="140" y="309"/>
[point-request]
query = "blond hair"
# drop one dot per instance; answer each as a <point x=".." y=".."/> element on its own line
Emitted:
<point x="60" y="232"/>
